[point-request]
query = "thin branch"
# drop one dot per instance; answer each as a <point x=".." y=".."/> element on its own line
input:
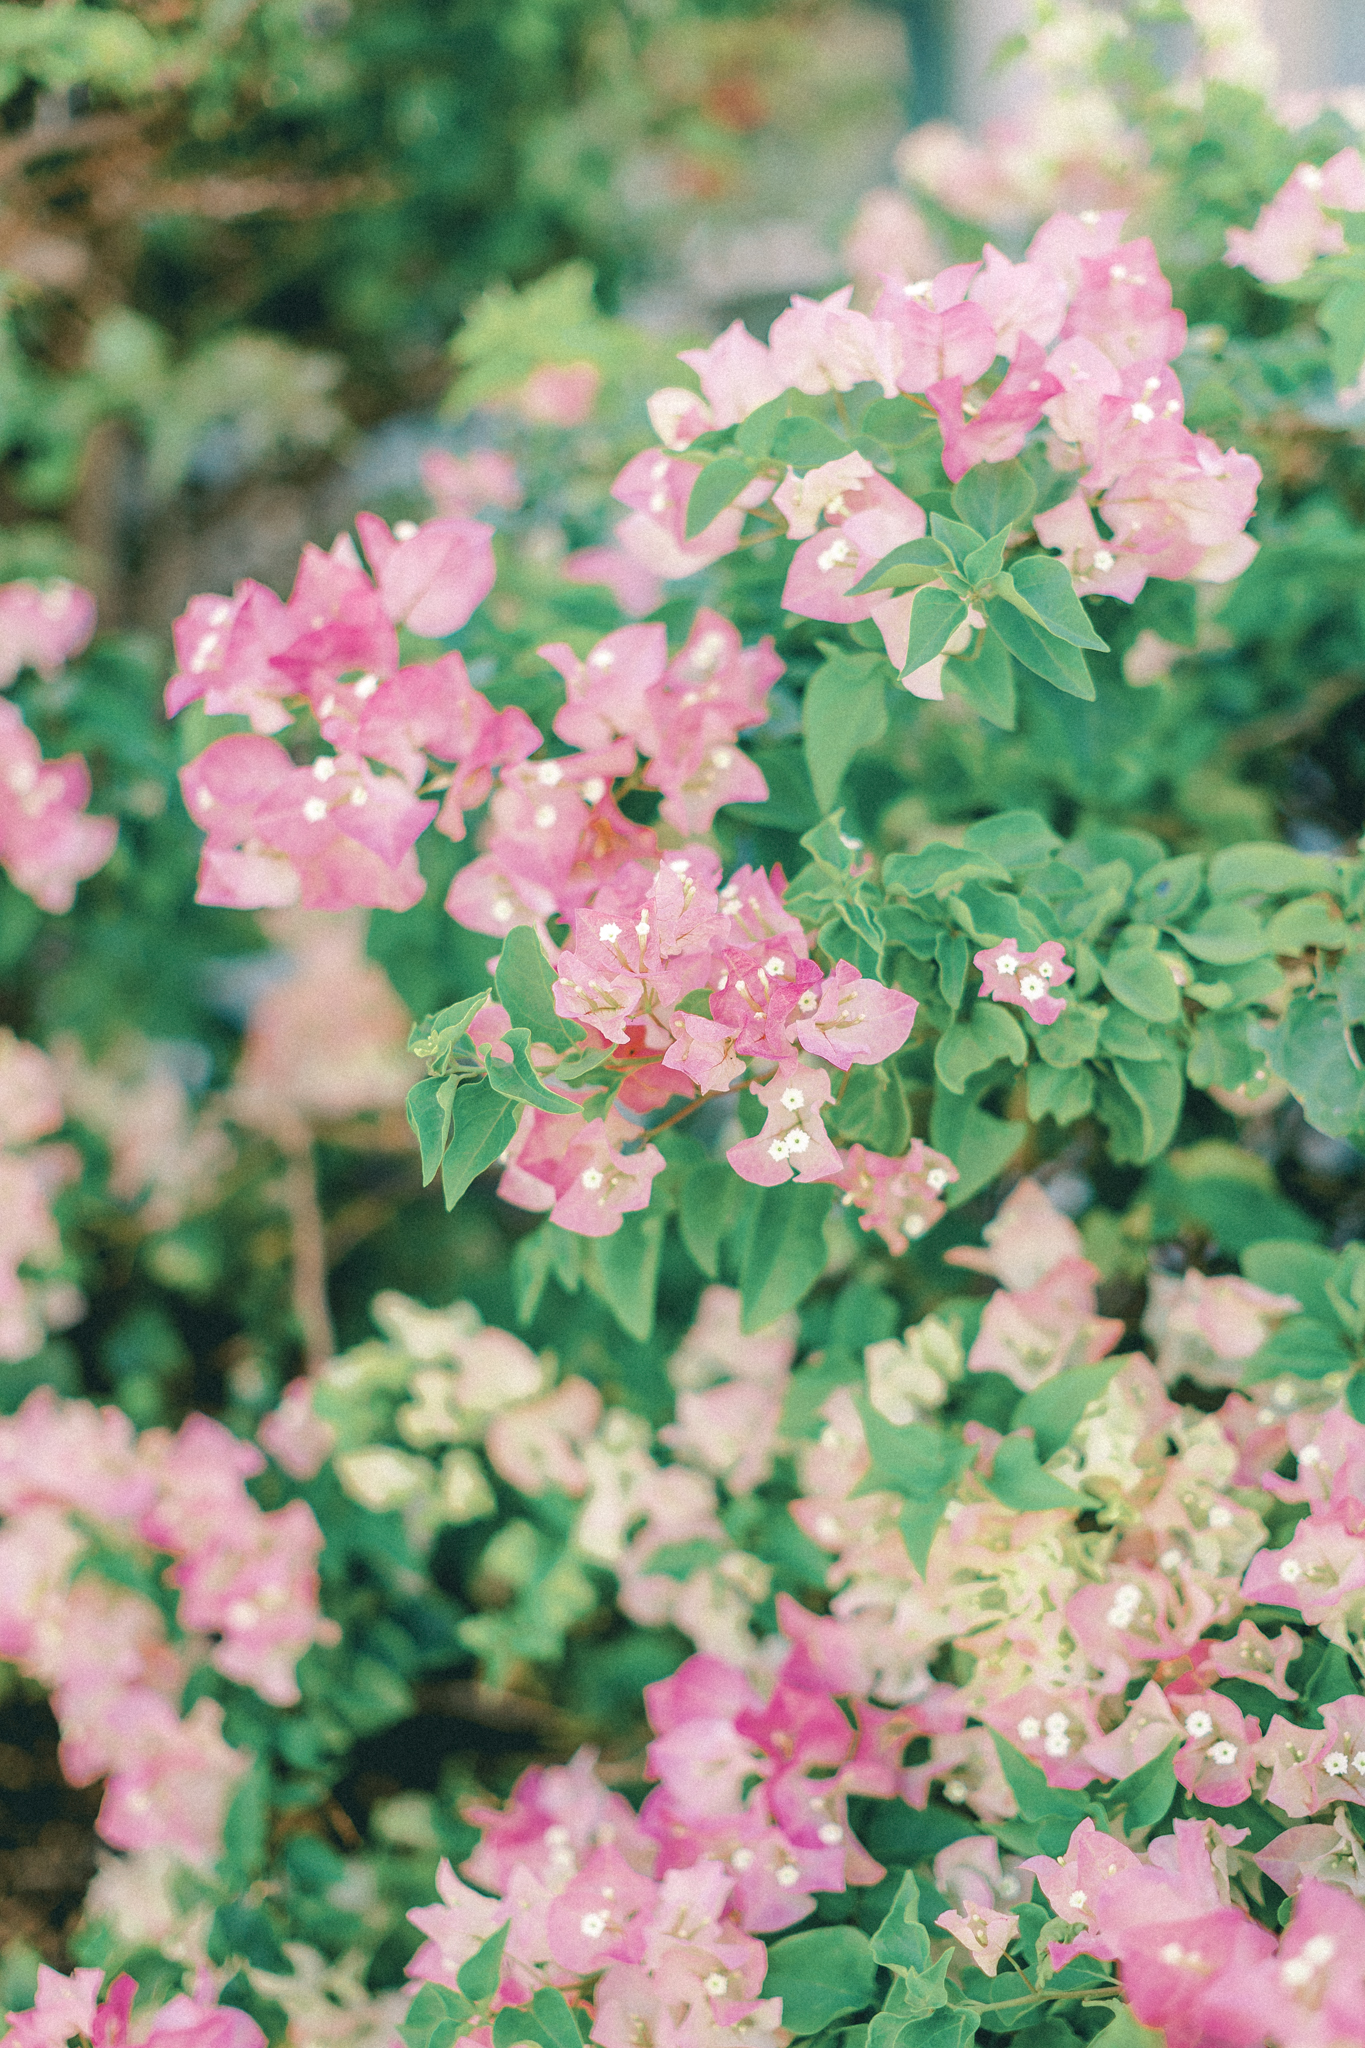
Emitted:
<point x="64" y="138"/>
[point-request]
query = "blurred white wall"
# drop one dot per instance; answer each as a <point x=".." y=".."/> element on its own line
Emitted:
<point x="1321" y="44"/>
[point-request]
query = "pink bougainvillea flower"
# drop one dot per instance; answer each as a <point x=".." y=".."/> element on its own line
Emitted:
<point x="1123" y="304"/>
<point x="737" y="375"/>
<point x="821" y="345"/>
<point x="461" y="485"/>
<point x="636" y="589"/>
<point x="997" y="430"/>
<point x="940" y="336"/>
<point x="430" y="577"/>
<point x="984" y="1931"/>
<point x="42" y="628"/>
<point x="854" y="1020"/>
<point x="48" y="841"/>
<point x="1020" y="299"/>
<point x="900" y="1198"/>
<point x="1010" y="975"/>
<point x="793" y="1140"/>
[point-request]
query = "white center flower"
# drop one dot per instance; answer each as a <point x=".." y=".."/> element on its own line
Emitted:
<point x="1030" y="987"/>
<point x="831" y="1833"/>
<point x="1030" y="1728"/>
<point x="1290" y="1570"/>
<point x="787" y="1875"/>
<point x="792" y="1098"/>
<point x="1104" y="561"/>
<point x="545" y="816"/>
<point x="609" y="933"/>
<point x="1199" y="1724"/>
<point x="717" y="1984"/>
<point x="1337" y="1764"/>
<point x="1006" y="962"/>
<point x="1223" y="1753"/>
<point x="1056" y="1724"/>
<point x="549" y="773"/>
<point x="593" y="1925"/>
<point x="798" y="1141"/>
<point x="315" y="810"/>
<point x="591" y="1179"/>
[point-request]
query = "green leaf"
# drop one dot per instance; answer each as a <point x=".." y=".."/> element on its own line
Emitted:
<point x="1342" y="319"/>
<point x="786" y="1252"/>
<point x="1056" y="661"/>
<point x="1303" y="1346"/>
<point x="979" y="1145"/>
<point x="524" y="985"/>
<point x="1149" y="1794"/>
<point x="897" y="421"/>
<point x="952" y="954"/>
<point x="1286" y="1266"/>
<point x="554" y="2016"/>
<point x="994" y="496"/>
<point x="435" y="1037"/>
<point x="820" y="1976"/>
<point x="712" y="1198"/>
<point x="984" y="564"/>
<point x="1142" y="980"/>
<point x="844" y="710"/>
<point x="680" y="1560"/>
<point x="482" y="1124"/>
<point x="1141" y="1106"/>
<point x="1074" y="1037"/>
<point x="1043" y="587"/>
<point x="1063" y="1093"/>
<point x="518" y="1080"/>
<point x="873" y="1110"/>
<point x="429" y="1117"/>
<point x="900" y="1943"/>
<point x="245" y="1930"/>
<point x="990" y="1034"/>
<point x="718" y="485"/>
<point x="1021" y="839"/>
<point x="754" y="435"/>
<point x="936" y="617"/>
<point x="985" y="681"/>
<point x="959" y="540"/>
<point x="938" y="870"/>
<point x="1268" y="868"/>
<point x="436" y="2007"/>
<point x="623" y="1270"/>
<point x="1167" y="890"/>
<point x="806" y="443"/>
<point x="1311" y="1049"/>
<point x="1020" y="1482"/>
<point x="1123" y="2031"/>
<point x="1053" y="1410"/>
<point x="480" y="1976"/>
<point x="916" y="1995"/>
<point x="1225" y="936"/>
<point x="905" y="568"/>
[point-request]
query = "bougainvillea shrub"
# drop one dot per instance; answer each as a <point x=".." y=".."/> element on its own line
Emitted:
<point x="839" y="1514"/>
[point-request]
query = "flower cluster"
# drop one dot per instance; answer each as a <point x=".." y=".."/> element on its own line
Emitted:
<point x="1192" y="1961"/>
<point x="654" y="1915"/>
<point x="47" y="842"/>
<point x="77" y="1484"/>
<point x="642" y="1501"/>
<point x="338" y="832"/>
<point x="1085" y="331"/>
<point x="67" y="2008"/>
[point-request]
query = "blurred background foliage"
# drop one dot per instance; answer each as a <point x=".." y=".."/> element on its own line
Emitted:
<point x="236" y="234"/>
